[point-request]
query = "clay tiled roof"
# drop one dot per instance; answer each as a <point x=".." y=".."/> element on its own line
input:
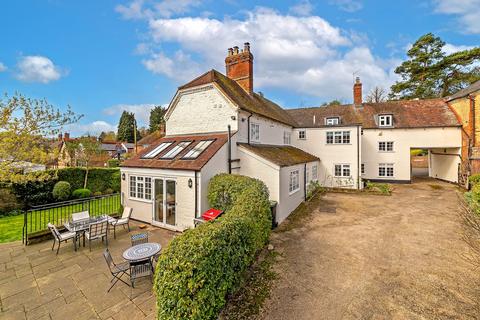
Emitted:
<point x="406" y="114"/>
<point x="465" y="92"/>
<point x="254" y="103"/>
<point x="282" y="156"/>
<point x="178" y="163"/>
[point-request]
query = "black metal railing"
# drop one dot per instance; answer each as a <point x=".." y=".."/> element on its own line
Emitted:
<point x="58" y="213"/>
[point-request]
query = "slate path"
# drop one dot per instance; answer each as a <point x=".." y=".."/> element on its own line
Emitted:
<point x="37" y="284"/>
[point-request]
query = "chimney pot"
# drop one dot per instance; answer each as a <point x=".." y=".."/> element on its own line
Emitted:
<point x="357" y="92"/>
<point x="246" y="47"/>
<point x="230" y="51"/>
<point x="235" y="50"/>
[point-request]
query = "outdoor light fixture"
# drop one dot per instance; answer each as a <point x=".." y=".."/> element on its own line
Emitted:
<point x="190" y="183"/>
<point x="123" y="176"/>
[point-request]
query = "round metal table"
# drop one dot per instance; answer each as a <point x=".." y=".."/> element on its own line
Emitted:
<point x="142" y="251"/>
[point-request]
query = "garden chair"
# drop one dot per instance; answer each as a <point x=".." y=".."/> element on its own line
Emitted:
<point x="61" y="237"/>
<point x="139" y="238"/>
<point x="80" y="216"/>
<point x="139" y="270"/>
<point x="117" y="270"/>
<point x="97" y="230"/>
<point x="124" y="220"/>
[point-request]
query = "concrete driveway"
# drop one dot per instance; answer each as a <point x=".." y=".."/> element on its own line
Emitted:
<point x="376" y="257"/>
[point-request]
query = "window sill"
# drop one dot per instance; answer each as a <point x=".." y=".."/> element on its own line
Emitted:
<point x="343" y="177"/>
<point x="293" y="192"/>
<point x="140" y="200"/>
<point x="389" y="177"/>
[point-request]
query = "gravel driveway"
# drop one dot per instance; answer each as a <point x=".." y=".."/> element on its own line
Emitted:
<point x="376" y="257"/>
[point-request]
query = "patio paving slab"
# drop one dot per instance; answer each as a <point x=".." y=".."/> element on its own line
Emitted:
<point x="35" y="283"/>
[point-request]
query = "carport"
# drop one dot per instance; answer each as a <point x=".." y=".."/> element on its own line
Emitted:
<point x="438" y="163"/>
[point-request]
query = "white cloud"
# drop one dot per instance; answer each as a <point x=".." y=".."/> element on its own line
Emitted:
<point x="93" y="128"/>
<point x="317" y="58"/>
<point x="2" y="67"/>
<point x="303" y="8"/>
<point x="451" y="48"/>
<point x="141" y="111"/>
<point x="148" y="9"/>
<point x="347" y="5"/>
<point x="465" y="10"/>
<point x="37" y="69"/>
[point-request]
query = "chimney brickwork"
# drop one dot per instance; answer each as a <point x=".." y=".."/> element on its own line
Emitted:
<point x="357" y="92"/>
<point x="239" y="65"/>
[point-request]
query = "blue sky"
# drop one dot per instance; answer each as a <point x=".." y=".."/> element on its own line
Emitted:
<point x="102" y="57"/>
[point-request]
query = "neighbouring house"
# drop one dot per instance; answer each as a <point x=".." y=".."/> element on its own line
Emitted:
<point x="466" y="105"/>
<point x="108" y="150"/>
<point x="150" y="138"/>
<point x="216" y="123"/>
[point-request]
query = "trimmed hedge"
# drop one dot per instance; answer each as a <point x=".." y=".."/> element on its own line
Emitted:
<point x="61" y="190"/>
<point x="202" y="266"/>
<point x="474" y="179"/>
<point x="82" y="193"/>
<point x="40" y="192"/>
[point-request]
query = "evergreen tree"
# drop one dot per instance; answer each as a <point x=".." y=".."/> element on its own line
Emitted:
<point x="126" y="127"/>
<point x="430" y="73"/>
<point x="157" y="115"/>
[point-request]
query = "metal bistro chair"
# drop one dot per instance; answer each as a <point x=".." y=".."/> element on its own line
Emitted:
<point x="80" y="216"/>
<point x="97" y="230"/>
<point x="117" y="270"/>
<point x="61" y="237"/>
<point x="124" y="220"/>
<point x="139" y="238"/>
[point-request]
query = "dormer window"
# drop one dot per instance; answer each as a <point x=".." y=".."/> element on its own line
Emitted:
<point x="385" y="120"/>
<point x="332" y="121"/>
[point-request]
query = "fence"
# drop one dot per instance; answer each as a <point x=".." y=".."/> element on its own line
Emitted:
<point x="36" y="218"/>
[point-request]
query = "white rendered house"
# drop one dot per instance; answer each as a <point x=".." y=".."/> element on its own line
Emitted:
<point x="218" y="124"/>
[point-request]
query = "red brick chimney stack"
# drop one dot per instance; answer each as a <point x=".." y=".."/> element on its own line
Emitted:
<point x="239" y="65"/>
<point x="66" y="136"/>
<point x="357" y="92"/>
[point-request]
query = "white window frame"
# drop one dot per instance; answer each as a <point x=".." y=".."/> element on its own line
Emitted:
<point x="294" y="181"/>
<point x="385" y="120"/>
<point x="338" y="137"/>
<point x="332" y="121"/>
<point x="385" y="146"/>
<point x="287" y="138"/>
<point x="141" y="189"/>
<point x="302" y="134"/>
<point x="254" y="131"/>
<point x="343" y="167"/>
<point x="388" y="170"/>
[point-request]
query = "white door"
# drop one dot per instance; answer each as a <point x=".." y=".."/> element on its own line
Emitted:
<point x="164" y="212"/>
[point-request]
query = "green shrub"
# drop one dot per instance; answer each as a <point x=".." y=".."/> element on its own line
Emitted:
<point x="108" y="191"/>
<point x="113" y="163"/>
<point x="203" y="265"/>
<point x="97" y="193"/>
<point x="383" y="188"/>
<point x="99" y="179"/>
<point x="115" y="181"/>
<point x="61" y="190"/>
<point x="224" y="189"/>
<point x="81" y="193"/>
<point x="474" y="179"/>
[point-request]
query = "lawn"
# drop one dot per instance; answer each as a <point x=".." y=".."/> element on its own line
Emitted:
<point x="11" y="227"/>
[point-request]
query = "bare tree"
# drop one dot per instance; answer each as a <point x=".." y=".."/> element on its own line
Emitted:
<point x="471" y="230"/>
<point x="376" y="95"/>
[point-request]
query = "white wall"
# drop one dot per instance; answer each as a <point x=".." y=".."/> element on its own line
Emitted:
<point x="217" y="164"/>
<point x="201" y="110"/>
<point x="331" y="154"/>
<point x="143" y="209"/>
<point x="404" y="140"/>
<point x="443" y="164"/>
<point x="256" y="167"/>
<point x="271" y="132"/>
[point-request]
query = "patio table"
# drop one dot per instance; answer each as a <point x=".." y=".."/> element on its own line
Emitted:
<point x="142" y="251"/>
<point x="80" y="226"/>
